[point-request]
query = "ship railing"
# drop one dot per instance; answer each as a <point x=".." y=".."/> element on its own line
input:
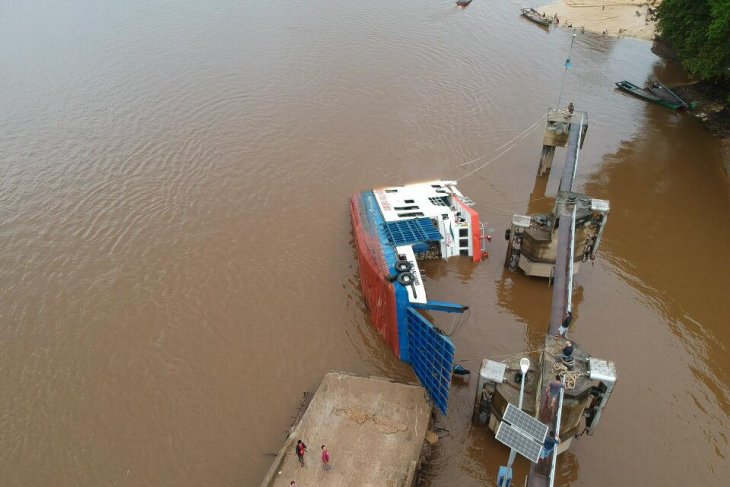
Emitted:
<point x="483" y="239"/>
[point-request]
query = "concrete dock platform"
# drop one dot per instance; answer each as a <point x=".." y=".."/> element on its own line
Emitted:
<point x="374" y="430"/>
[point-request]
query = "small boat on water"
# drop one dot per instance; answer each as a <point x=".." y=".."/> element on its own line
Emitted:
<point x="660" y="90"/>
<point x="463" y="3"/>
<point x="395" y="228"/>
<point x="648" y="95"/>
<point x="536" y="17"/>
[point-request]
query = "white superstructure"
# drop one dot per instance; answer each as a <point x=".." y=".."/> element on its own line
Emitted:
<point x="449" y="212"/>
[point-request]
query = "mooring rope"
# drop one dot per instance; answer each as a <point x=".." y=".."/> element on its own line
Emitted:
<point x="521" y="134"/>
<point x="509" y="147"/>
<point x="570" y="378"/>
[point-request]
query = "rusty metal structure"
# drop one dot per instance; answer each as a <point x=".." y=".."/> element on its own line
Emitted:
<point x="534" y="239"/>
<point x="575" y="228"/>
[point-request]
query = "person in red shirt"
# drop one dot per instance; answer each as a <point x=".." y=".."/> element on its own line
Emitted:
<point x="325" y="459"/>
<point x="301" y="449"/>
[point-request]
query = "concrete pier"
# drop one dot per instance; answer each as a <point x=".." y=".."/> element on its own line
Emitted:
<point x="373" y="428"/>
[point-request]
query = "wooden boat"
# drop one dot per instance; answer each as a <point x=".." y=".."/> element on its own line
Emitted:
<point x="535" y="16"/>
<point x="665" y="93"/>
<point x="647" y="95"/>
<point x="463" y="3"/>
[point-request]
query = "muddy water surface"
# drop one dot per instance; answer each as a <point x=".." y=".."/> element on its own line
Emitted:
<point x="177" y="261"/>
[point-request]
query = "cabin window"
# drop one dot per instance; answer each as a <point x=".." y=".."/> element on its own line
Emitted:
<point x="463" y="232"/>
<point x="464" y="252"/>
<point x="436" y="186"/>
<point x="391" y="190"/>
<point x="408" y="201"/>
<point x="402" y="208"/>
<point x="439" y="201"/>
<point x="413" y="213"/>
<point x="445" y="216"/>
<point x="464" y="242"/>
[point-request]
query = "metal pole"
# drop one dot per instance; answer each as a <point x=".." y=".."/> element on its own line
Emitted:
<point x="573" y="155"/>
<point x="512" y="452"/>
<point x="562" y="258"/>
<point x="512" y="455"/>
<point x="522" y="391"/>
<point x="565" y="74"/>
<point x="478" y="398"/>
<point x="570" y="262"/>
<point x="557" y="432"/>
<point x="580" y="144"/>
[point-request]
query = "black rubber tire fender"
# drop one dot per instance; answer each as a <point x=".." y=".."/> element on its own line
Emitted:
<point x="403" y="266"/>
<point x="406" y="278"/>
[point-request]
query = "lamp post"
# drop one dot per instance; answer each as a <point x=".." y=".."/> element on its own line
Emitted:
<point x="524" y="367"/>
<point x="505" y="474"/>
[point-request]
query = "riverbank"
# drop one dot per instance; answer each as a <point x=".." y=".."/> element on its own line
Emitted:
<point x="713" y="111"/>
<point x="616" y="18"/>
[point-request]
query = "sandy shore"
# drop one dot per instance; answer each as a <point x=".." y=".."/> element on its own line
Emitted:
<point x="617" y="18"/>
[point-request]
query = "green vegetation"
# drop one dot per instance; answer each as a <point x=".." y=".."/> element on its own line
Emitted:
<point x="699" y="32"/>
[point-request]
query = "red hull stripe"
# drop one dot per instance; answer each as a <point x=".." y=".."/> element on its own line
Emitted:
<point x="379" y="293"/>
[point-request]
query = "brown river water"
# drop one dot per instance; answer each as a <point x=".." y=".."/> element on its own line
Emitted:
<point x="177" y="264"/>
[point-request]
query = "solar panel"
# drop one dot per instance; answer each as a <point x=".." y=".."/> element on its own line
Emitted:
<point x="522" y="444"/>
<point x="523" y="421"/>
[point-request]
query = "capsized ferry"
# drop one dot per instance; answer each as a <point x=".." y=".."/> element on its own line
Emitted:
<point x="395" y="228"/>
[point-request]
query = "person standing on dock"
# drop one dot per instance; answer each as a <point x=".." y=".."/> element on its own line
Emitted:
<point x="565" y="324"/>
<point x="549" y="445"/>
<point x="301" y="449"/>
<point x="568" y="351"/>
<point x="552" y="392"/>
<point x="326" y="459"/>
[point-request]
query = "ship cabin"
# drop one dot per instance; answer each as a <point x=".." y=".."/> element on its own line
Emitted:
<point x="427" y="221"/>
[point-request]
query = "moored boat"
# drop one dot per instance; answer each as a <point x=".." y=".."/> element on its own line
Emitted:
<point x="660" y="90"/>
<point x="647" y="95"/>
<point x="536" y="17"/>
<point x="395" y="228"/>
